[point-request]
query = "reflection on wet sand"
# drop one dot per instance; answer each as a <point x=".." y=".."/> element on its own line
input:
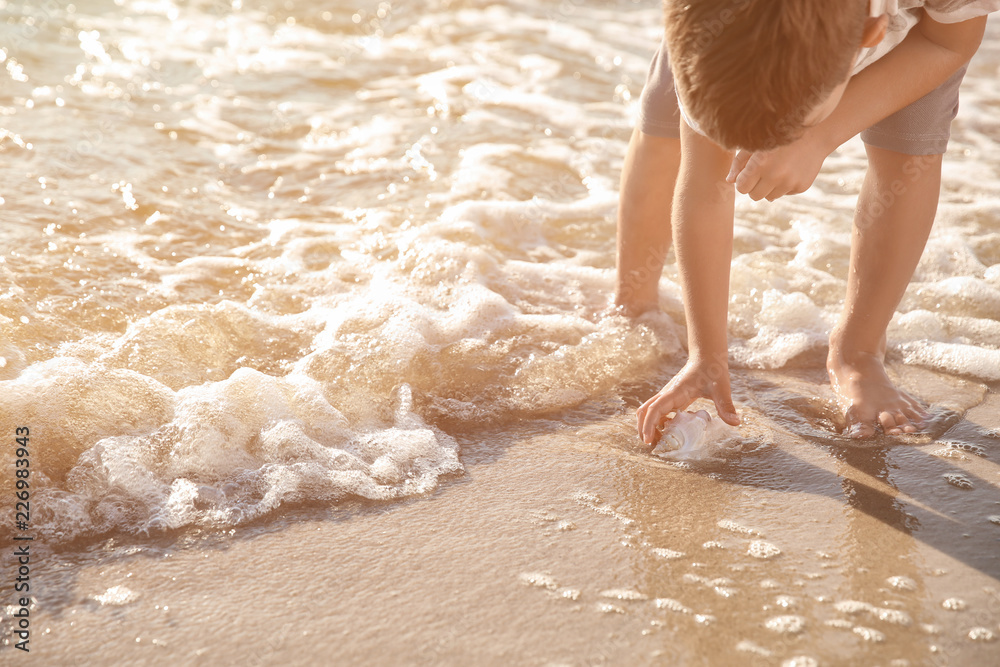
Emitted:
<point x="872" y="536"/>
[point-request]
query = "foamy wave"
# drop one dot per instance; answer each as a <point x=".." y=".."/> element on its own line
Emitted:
<point x="216" y="414"/>
<point x="216" y="454"/>
<point x="304" y="260"/>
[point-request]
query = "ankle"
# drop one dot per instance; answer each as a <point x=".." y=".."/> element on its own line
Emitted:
<point x="846" y="348"/>
<point x="632" y="307"/>
<point x="634" y="301"/>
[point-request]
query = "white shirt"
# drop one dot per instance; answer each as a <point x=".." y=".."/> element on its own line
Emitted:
<point x="904" y="14"/>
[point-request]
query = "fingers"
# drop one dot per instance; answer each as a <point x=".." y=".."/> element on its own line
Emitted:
<point x="724" y="404"/>
<point x="750" y="176"/>
<point x="641" y="417"/>
<point x="654" y="412"/>
<point x="651" y="414"/>
<point x="761" y="186"/>
<point x="739" y="162"/>
<point x="764" y="190"/>
<point x="754" y="174"/>
<point x="687" y="386"/>
<point x="774" y="187"/>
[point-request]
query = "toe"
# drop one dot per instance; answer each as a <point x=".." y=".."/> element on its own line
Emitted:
<point x="887" y="420"/>
<point x="860" y="431"/>
<point x="906" y="421"/>
<point x="901" y="423"/>
<point x="859" y="424"/>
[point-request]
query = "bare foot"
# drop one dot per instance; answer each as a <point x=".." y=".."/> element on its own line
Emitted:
<point x="632" y="308"/>
<point x="868" y="397"/>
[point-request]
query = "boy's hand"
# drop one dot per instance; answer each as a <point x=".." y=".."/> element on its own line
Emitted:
<point x="695" y="380"/>
<point x="787" y="170"/>
<point x="931" y="52"/>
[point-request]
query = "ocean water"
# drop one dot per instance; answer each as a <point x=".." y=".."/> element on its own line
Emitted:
<point x="272" y="255"/>
<point x="261" y="256"/>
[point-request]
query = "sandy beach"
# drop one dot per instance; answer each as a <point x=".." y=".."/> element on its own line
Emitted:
<point x="305" y="307"/>
<point x="555" y="547"/>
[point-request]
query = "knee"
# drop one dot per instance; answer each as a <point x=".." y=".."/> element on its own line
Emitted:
<point x="906" y="166"/>
<point x="659" y="153"/>
<point x="657" y="143"/>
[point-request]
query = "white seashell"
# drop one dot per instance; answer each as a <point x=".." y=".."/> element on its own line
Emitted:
<point x="683" y="432"/>
<point x="692" y="436"/>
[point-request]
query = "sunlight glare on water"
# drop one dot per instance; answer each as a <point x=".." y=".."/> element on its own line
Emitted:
<point x="231" y="249"/>
<point x="273" y="189"/>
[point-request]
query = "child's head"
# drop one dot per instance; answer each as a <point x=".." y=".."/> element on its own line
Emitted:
<point x="754" y="73"/>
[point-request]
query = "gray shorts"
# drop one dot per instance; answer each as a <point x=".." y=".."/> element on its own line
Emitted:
<point x="921" y="128"/>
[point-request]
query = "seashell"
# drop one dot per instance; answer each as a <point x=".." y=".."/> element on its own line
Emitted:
<point x="694" y="436"/>
<point x="683" y="433"/>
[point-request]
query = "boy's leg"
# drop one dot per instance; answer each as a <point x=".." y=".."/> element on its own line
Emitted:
<point x="647" y="190"/>
<point x="645" y="196"/>
<point x="895" y="213"/>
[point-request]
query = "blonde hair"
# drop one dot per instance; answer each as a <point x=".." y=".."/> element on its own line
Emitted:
<point x="750" y="71"/>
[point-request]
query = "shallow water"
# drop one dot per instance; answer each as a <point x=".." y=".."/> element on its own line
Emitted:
<point x="353" y="260"/>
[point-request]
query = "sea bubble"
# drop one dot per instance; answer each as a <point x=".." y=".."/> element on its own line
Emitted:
<point x="539" y="580"/>
<point x="608" y="608"/>
<point x="869" y="634"/>
<point x="763" y="550"/>
<point x="747" y="646"/>
<point x="853" y="607"/>
<point x="786" y="625"/>
<point x="667" y="554"/>
<point x="116" y="596"/>
<point x="902" y="583"/>
<point x="672" y="605"/>
<point x="959" y="481"/>
<point x="800" y="661"/>
<point x="732" y="526"/>
<point x="623" y="594"/>
<point x="981" y="634"/>
<point x="894" y="616"/>
<point x="785" y="601"/>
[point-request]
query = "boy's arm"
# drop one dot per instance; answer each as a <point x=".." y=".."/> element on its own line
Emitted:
<point x="703" y="242"/>
<point x="930" y="53"/>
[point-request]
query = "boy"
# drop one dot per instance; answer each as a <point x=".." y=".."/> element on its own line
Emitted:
<point x="765" y="90"/>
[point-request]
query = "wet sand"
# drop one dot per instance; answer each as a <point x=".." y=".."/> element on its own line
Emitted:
<point x="555" y="547"/>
